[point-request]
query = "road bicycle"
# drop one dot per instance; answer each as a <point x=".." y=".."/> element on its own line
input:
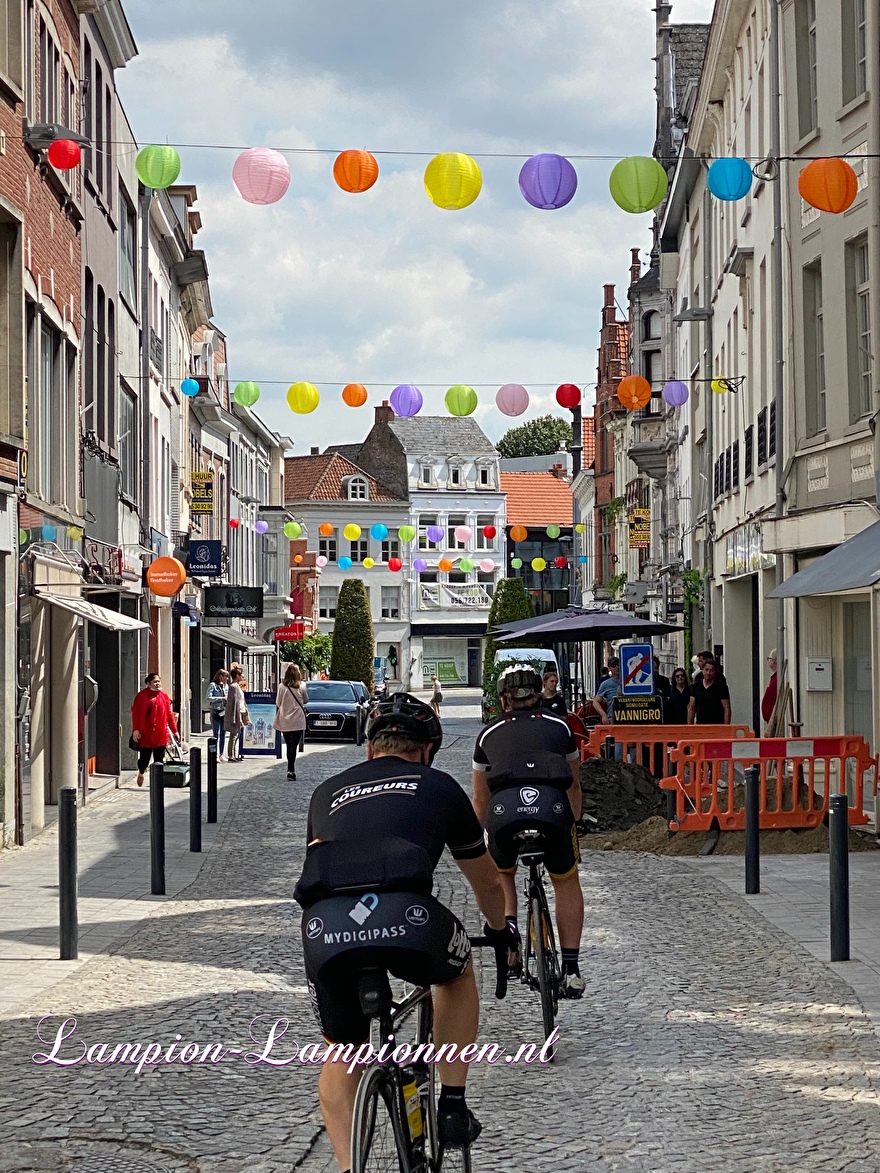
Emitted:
<point x="541" y="970"/>
<point x="395" y="1127"/>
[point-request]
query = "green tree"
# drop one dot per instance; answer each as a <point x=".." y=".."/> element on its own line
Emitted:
<point x="353" y="643"/>
<point x="511" y="602"/>
<point x="311" y="653"/>
<point x="539" y="437"/>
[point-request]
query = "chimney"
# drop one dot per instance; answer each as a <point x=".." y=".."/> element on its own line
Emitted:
<point x="608" y="309"/>
<point x="315" y="452"/>
<point x="635" y="266"/>
<point x="560" y="472"/>
<point x="384" y="414"/>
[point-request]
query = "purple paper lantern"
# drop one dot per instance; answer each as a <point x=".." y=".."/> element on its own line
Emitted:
<point x="420" y="565"/>
<point x="435" y="533"/>
<point x="262" y="527"/>
<point x="406" y="400"/>
<point x="548" y="181"/>
<point x="512" y="399"/>
<point x="675" y="393"/>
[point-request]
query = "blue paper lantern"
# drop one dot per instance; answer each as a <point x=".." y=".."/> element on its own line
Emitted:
<point x="344" y="564"/>
<point x="583" y="559"/>
<point x="189" y="387"/>
<point x="378" y="532"/>
<point x="548" y="181"/>
<point x="49" y="533"/>
<point x="675" y="393"/>
<point x="730" y="179"/>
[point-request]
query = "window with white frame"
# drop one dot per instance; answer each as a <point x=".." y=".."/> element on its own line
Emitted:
<point x="10" y="40"/>
<point x="390" y="602"/>
<point x="814" y="349"/>
<point x="806" y="38"/>
<point x="51" y="382"/>
<point x="861" y="375"/>
<point x="127" y="251"/>
<point x="455" y="475"/>
<point x="328" y="597"/>
<point x="487" y="581"/>
<point x="50" y="76"/>
<point x="327" y="546"/>
<point x="855" y="49"/>
<point x="391" y="547"/>
<point x="359" y="550"/>
<point x="357" y="489"/>
<point x="426" y="474"/>
<point x="128" y="434"/>
<point x="425" y="520"/>
<point x="483" y="521"/>
<point x="454" y="520"/>
<point x="485" y="476"/>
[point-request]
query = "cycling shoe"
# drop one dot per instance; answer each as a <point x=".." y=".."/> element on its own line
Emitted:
<point x="457" y="1129"/>
<point x="573" y="985"/>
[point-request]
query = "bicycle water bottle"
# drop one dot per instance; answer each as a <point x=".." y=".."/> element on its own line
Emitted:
<point x="413" y="1103"/>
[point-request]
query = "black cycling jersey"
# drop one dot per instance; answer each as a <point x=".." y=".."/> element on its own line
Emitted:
<point x="526" y="745"/>
<point x="390" y="796"/>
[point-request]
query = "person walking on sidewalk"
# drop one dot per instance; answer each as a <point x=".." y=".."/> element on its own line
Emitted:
<point x="290" y="720"/>
<point x="152" y="723"/>
<point x="436" y="695"/>
<point x="217" y="691"/>
<point x="768" y="700"/>
<point x="233" y="720"/>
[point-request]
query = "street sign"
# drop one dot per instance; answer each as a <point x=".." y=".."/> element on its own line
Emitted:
<point x="636" y="669"/>
<point x="638" y="710"/>
<point x="294" y="631"/>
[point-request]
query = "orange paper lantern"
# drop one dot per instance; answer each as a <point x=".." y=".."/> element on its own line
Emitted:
<point x="518" y="533"/>
<point x="297" y="557"/>
<point x="325" y="529"/>
<point x="355" y="171"/>
<point x="830" y="185"/>
<point x="355" y="395"/>
<point x="634" y="392"/>
<point x="445" y="565"/>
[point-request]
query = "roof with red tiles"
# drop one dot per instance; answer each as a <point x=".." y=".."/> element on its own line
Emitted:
<point x="320" y="477"/>
<point x="589" y="442"/>
<point x="537" y="499"/>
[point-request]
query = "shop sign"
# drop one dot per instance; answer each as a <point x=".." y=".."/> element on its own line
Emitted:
<point x="202" y="492"/>
<point x="744" y="553"/>
<point x="638" y="710"/>
<point x="260" y="737"/>
<point x="294" y="631"/>
<point x="233" y="602"/>
<point x="166" y="577"/>
<point x="205" y="558"/>
<point x="640" y="529"/>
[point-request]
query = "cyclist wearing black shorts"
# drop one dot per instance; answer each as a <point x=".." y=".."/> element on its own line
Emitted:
<point x="527" y="775"/>
<point x="378" y="831"/>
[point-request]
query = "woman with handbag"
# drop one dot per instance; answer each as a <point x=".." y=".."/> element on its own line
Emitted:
<point x="236" y="715"/>
<point x="152" y="724"/>
<point x="217" y="691"/>
<point x="290" y="720"/>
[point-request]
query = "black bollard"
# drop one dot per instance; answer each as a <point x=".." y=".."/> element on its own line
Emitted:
<point x="609" y="748"/>
<point x="838" y="862"/>
<point x="195" y="799"/>
<point x="67" y="879"/>
<point x="753" y="823"/>
<point x="157" y="829"/>
<point x="212" y="780"/>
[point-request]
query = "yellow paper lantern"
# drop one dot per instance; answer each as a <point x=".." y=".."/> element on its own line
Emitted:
<point x="303" y="398"/>
<point x="539" y="564"/>
<point x="453" y="180"/>
<point x="580" y="528"/>
<point x="719" y="386"/>
<point x="368" y="563"/>
<point x="352" y="532"/>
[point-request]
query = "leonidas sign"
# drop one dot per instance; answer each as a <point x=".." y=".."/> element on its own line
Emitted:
<point x="233" y="602"/>
<point x="166" y="577"/>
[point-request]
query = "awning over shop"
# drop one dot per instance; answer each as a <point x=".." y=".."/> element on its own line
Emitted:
<point x="854" y="565"/>
<point x="245" y="643"/>
<point x="103" y="616"/>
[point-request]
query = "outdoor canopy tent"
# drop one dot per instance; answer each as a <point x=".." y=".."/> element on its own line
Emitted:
<point x="854" y="565"/>
<point x="567" y="626"/>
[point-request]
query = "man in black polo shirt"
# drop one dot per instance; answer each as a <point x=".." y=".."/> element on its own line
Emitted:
<point x="710" y="697"/>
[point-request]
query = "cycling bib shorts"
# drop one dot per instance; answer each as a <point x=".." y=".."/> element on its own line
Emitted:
<point x="542" y="808"/>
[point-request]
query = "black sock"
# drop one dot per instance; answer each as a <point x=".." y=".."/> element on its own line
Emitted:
<point x="570" y="961"/>
<point x="452" y="1100"/>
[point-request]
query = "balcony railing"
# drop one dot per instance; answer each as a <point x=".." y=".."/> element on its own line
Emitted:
<point x="453" y="596"/>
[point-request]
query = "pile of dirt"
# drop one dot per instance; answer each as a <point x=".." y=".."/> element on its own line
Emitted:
<point x="652" y="836"/>
<point x="619" y="795"/>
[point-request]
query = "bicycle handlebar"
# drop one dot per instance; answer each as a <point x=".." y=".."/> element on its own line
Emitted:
<point x="500" y="963"/>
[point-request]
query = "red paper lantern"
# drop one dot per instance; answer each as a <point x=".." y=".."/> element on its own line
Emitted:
<point x="233" y="523"/>
<point x="568" y="395"/>
<point x="561" y="562"/>
<point x="64" y="154"/>
<point x="395" y="564"/>
<point x="489" y="532"/>
<point x="831" y="185"/>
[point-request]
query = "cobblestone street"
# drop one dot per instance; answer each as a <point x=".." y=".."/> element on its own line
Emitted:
<point x="707" y="1039"/>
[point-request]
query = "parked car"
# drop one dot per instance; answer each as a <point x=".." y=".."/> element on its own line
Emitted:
<point x="335" y="709"/>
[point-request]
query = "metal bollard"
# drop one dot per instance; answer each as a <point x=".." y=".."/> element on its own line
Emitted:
<point x="157" y="829"/>
<point x="67" y="878"/>
<point x="195" y="799"/>
<point x="609" y="748"/>
<point x="212" y="780"/>
<point x="838" y="862"/>
<point x="753" y="824"/>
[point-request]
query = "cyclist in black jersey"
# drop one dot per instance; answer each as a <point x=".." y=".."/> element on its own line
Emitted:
<point x="527" y="774"/>
<point x="380" y="829"/>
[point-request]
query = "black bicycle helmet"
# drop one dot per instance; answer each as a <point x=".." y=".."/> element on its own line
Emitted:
<point x="520" y="681"/>
<point x="404" y="713"/>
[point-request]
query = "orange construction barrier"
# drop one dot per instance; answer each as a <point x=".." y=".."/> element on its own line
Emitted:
<point x="650" y="744"/>
<point x="798" y="776"/>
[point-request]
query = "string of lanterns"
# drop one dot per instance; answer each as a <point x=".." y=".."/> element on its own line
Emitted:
<point x="453" y="180"/>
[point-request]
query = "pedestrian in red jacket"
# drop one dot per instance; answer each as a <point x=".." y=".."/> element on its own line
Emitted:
<point x="768" y="701"/>
<point x="152" y="723"/>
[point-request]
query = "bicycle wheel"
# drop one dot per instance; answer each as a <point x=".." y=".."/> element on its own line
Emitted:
<point x="378" y="1144"/>
<point x="426" y="1077"/>
<point x="543" y="962"/>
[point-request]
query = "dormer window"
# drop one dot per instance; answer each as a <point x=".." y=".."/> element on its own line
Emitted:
<point x="426" y="475"/>
<point x="485" y="476"/>
<point x="455" y="476"/>
<point x="356" y="489"/>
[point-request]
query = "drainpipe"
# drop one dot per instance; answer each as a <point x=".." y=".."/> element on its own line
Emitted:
<point x="577" y="444"/>
<point x="872" y="165"/>
<point x="778" y="309"/>
<point x="708" y="351"/>
<point x="146" y="199"/>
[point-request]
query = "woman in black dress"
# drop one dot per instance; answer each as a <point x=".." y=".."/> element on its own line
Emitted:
<point x="675" y="706"/>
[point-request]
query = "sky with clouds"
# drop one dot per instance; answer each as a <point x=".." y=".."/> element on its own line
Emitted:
<point x="384" y="287"/>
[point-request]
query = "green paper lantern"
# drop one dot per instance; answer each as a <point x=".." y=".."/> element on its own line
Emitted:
<point x="538" y="564"/>
<point x="516" y="563"/>
<point x="461" y="400"/>
<point x="553" y="531"/>
<point x="292" y="530"/>
<point x="466" y="565"/>
<point x="406" y="533"/>
<point x="638" y="184"/>
<point x="157" y="166"/>
<point x="22" y="536"/>
<point x="246" y="394"/>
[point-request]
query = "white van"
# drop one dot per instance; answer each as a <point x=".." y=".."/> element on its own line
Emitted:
<point x="544" y="656"/>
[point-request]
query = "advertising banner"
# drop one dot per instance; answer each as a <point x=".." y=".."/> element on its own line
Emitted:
<point x="638" y="710"/>
<point x="259" y="738"/>
<point x="202" y="492"/>
<point x="233" y="602"/>
<point x="640" y="529"/>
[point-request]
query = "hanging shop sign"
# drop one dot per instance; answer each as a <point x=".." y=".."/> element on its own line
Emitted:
<point x="293" y="631"/>
<point x="640" y="529"/>
<point x="233" y="602"/>
<point x="202" y="493"/>
<point x="205" y="558"/>
<point x="166" y="577"/>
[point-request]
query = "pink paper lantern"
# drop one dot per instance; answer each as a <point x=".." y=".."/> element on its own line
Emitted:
<point x="261" y="175"/>
<point x="512" y="399"/>
<point x="321" y="560"/>
<point x="463" y="533"/>
<point x="487" y="566"/>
